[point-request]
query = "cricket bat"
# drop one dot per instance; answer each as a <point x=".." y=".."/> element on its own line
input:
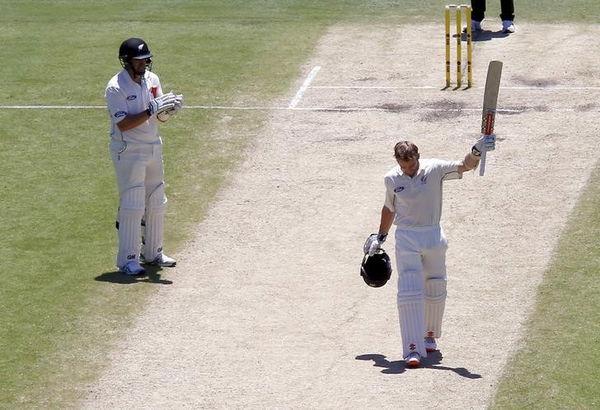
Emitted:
<point x="490" y="101"/>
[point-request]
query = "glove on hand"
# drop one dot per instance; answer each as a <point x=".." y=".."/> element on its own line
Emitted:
<point x="163" y="103"/>
<point x="485" y="143"/>
<point x="178" y="104"/>
<point x="373" y="243"/>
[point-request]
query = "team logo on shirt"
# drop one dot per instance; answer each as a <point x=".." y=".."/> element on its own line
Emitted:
<point x="131" y="97"/>
<point x="398" y="189"/>
<point x="120" y="114"/>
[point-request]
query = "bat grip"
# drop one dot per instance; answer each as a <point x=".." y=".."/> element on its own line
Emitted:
<point x="482" y="163"/>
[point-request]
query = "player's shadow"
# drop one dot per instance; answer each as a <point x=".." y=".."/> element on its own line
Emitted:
<point x="432" y="361"/>
<point x="486" y="35"/>
<point x="152" y="275"/>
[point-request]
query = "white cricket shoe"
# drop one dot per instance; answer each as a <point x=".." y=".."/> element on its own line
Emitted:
<point x="508" y="26"/>
<point x="132" y="268"/>
<point x="161" y="260"/>
<point x="413" y="360"/>
<point x="430" y="344"/>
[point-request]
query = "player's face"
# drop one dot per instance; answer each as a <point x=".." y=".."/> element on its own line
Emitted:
<point x="139" y="65"/>
<point x="409" y="167"/>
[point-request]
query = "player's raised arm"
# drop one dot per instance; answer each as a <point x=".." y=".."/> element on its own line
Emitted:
<point x="484" y="144"/>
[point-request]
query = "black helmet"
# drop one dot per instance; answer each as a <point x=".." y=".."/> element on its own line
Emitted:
<point x="376" y="270"/>
<point x="133" y="48"/>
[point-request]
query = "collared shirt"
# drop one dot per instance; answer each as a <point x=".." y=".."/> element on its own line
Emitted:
<point x="417" y="201"/>
<point x="123" y="97"/>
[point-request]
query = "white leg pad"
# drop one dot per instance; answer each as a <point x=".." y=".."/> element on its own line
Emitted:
<point x="154" y="230"/>
<point x="411" y="312"/>
<point x="131" y="210"/>
<point x="435" y="302"/>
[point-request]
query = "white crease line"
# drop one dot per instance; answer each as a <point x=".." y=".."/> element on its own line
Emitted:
<point x="52" y="107"/>
<point x="400" y="109"/>
<point x="304" y="86"/>
<point x="430" y="87"/>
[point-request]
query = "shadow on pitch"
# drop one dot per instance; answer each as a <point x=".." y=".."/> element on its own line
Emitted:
<point x="152" y="276"/>
<point x="487" y="35"/>
<point x="432" y="361"/>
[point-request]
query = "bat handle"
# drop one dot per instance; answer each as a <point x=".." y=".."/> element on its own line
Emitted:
<point x="482" y="163"/>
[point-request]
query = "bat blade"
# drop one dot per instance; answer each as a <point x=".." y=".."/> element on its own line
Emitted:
<point x="490" y="102"/>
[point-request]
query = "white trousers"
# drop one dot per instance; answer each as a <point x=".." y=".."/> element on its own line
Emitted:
<point x="140" y="179"/>
<point x="421" y="267"/>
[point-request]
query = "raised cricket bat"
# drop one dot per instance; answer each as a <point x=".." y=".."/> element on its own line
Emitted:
<point x="490" y="101"/>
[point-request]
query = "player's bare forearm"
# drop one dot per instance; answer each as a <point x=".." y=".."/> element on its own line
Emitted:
<point x="132" y="121"/>
<point x="470" y="162"/>
<point x="387" y="218"/>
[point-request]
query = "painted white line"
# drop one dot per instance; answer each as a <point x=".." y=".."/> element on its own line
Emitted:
<point x="304" y="87"/>
<point x="430" y="87"/>
<point x="377" y="87"/>
<point x="52" y="107"/>
<point x="383" y="109"/>
<point x="400" y="109"/>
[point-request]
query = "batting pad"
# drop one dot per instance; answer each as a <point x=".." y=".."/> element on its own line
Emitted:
<point x="411" y="312"/>
<point x="435" y="302"/>
<point x="131" y="211"/>
<point x="155" y="215"/>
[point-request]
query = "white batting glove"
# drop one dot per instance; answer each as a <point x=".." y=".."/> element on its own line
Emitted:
<point x="178" y="104"/>
<point x="485" y="143"/>
<point x="373" y="243"/>
<point x="165" y="102"/>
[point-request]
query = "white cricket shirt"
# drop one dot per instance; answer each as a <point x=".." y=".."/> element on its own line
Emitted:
<point x="123" y="97"/>
<point x="417" y="201"/>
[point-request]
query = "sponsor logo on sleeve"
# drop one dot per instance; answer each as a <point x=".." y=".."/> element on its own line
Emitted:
<point x="131" y="97"/>
<point x="120" y="114"/>
<point x="398" y="189"/>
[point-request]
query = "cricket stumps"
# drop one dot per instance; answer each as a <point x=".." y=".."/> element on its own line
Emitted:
<point x="458" y="11"/>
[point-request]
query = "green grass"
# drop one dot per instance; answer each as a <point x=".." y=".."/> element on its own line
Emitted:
<point x="559" y="367"/>
<point x="62" y="304"/>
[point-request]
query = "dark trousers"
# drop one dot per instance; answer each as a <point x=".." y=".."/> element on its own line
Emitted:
<point x="507" y="6"/>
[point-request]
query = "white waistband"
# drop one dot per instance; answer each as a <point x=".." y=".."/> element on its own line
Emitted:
<point x="417" y="228"/>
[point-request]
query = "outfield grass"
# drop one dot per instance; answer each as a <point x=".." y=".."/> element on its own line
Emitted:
<point x="559" y="367"/>
<point x="61" y="302"/>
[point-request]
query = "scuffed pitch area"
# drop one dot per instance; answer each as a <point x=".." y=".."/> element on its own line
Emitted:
<point x="267" y="309"/>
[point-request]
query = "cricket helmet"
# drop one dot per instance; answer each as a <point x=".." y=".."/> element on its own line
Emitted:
<point x="376" y="270"/>
<point x="134" y="48"/>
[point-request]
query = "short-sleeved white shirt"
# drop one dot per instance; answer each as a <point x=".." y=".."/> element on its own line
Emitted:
<point x="417" y="201"/>
<point x="123" y="97"/>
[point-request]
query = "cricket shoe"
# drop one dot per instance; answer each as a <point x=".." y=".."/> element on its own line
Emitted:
<point x="508" y="26"/>
<point x="413" y="360"/>
<point x="161" y="260"/>
<point x="132" y="268"/>
<point x="475" y="27"/>
<point x="430" y="344"/>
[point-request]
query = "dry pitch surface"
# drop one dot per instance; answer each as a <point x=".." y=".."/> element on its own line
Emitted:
<point x="267" y="309"/>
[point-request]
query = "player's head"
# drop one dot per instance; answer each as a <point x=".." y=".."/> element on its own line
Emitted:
<point x="135" y="49"/>
<point x="407" y="156"/>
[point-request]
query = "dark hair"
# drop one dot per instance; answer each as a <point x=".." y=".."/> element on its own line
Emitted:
<point x="405" y="151"/>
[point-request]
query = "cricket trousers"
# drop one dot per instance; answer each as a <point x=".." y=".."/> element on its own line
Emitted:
<point x="421" y="266"/>
<point x="140" y="178"/>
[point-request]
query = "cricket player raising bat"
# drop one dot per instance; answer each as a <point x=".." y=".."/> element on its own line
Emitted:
<point x="413" y="202"/>
<point x="136" y="105"/>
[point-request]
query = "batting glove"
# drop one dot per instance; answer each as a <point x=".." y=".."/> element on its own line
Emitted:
<point x="163" y="103"/>
<point x="373" y="243"/>
<point x="178" y="104"/>
<point x="485" y="143"/>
